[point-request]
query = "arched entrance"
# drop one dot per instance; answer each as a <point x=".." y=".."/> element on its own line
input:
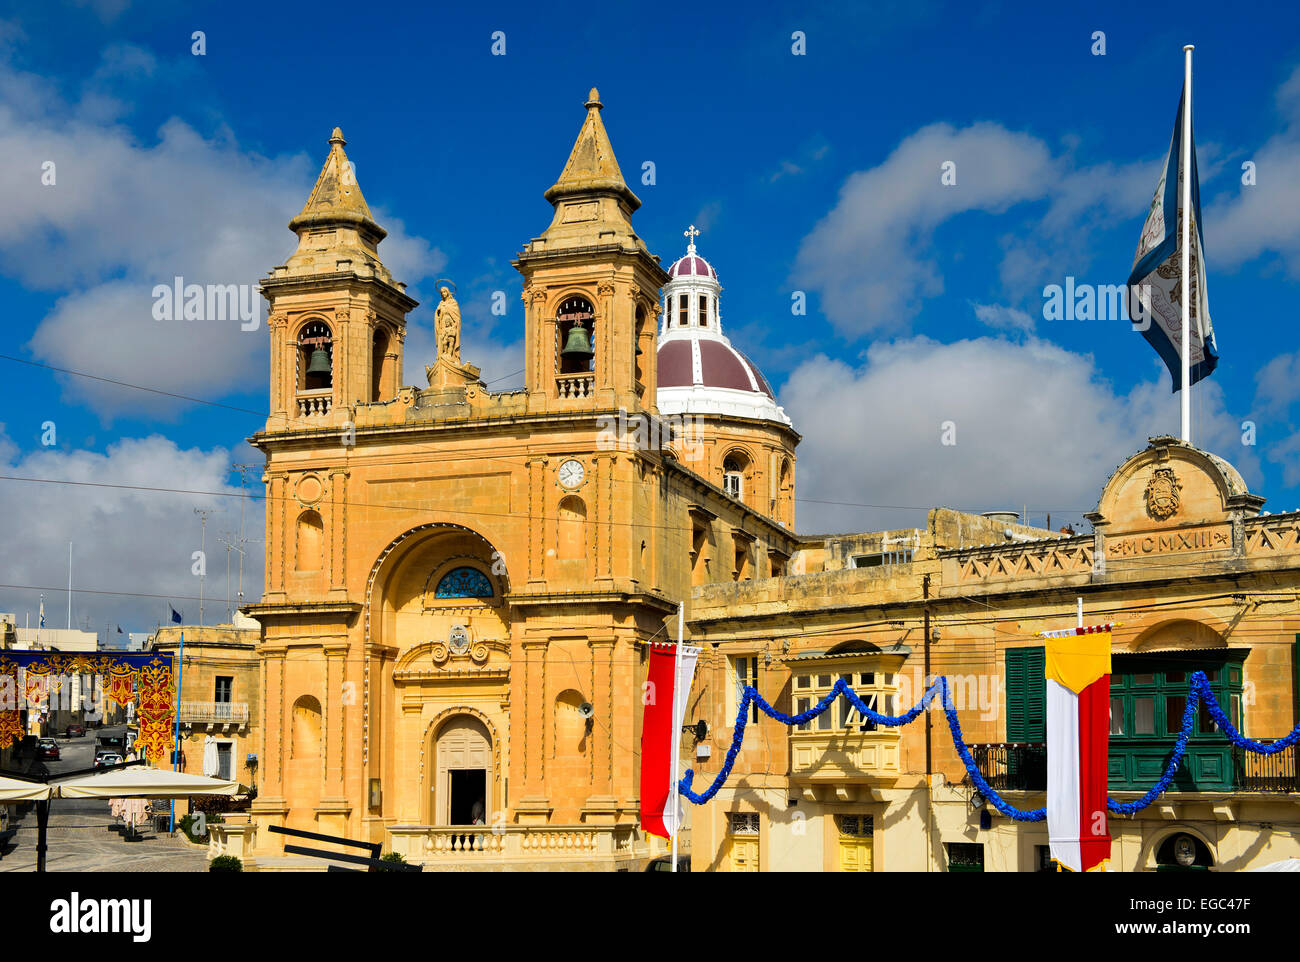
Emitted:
<point x="463" y="776"/>
<point x="436" y="602"/>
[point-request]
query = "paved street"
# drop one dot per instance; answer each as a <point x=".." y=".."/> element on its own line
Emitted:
<point x="84" y="837"/>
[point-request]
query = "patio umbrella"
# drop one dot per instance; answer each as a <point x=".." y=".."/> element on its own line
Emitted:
<point x="210" y="763"/>
<point x="143" y="782"/>
<point x="1286" y="865"/>
<point x="13" y="791"/>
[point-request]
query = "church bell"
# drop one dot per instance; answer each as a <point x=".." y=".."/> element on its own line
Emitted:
<point x="320" y="362"/>
<point x="578" y="344"/>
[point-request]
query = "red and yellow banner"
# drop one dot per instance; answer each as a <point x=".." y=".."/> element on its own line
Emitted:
<point x="1078" y="742"/>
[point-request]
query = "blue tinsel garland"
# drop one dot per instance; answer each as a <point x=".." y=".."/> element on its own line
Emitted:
<point x="1198" y="691"/>
<point x="751" y="695"/>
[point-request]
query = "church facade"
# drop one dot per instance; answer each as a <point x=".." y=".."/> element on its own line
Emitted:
<point x="462" y="585"/>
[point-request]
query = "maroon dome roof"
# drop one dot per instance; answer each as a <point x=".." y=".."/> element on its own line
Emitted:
<point x="692" y="265"/>
<point x="720" y="365"/>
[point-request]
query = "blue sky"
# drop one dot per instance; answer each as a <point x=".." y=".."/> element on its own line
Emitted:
<point x="815" y="173"/>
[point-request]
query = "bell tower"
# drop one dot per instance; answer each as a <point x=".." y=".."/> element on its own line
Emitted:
<point x="591" y="288"/>
<point x="336" y="316"/>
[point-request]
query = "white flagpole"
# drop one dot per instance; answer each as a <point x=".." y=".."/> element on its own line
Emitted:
<point x="1186" y="164"/>
<point x="676" y="734"/>
<point x="69" y="584"/>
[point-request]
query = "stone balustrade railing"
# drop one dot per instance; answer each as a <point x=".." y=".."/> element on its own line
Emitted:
<point x="525" y="843"/>
<point x="315" y="403"/>
<point x="575" y="385"/>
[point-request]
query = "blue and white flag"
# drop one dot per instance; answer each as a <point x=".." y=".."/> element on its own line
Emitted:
<point x="42" y="624"/>
<point x="1154" y="290"/>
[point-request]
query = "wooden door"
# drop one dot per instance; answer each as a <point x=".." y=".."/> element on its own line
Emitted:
<point x="463" y="743"/>
<point x="855" y="837"/>
<point x="742" y="842"/>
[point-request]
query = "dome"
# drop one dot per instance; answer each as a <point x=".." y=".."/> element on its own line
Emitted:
<point x="692" y="265"/>
<point x="699" y="370"/>
<point x="708" y="362"/>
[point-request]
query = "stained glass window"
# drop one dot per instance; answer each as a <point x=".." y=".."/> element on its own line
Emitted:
<point x="464" y="583"/>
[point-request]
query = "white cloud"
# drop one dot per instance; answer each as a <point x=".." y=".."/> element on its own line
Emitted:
<point x="124" y="216"/>
<point x="871" y="258"/>
<point x="129" y="541"/>
<point x="1082" y="202"/>
<point x="1035" y="425"/>
<point x="1003" y="318"/>
<point x="1276" y="385"/>
<point x="1287" y="453"/>
<point x="1246" y="222"/>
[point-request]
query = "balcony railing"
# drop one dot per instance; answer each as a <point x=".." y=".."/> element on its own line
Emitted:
<point x="315" y="403"/>
<point x="575" y="385"/>
<point x="215" y="712"/>
<point x="1023" y="767"/>
<point x="1266" y="773"/>
<point x="523" y="843"/>
<point x="1012" y="766"/>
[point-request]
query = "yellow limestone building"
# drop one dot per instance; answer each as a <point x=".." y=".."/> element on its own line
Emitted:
<point x="460" y="584"/>
<point x="1181" y="555"/>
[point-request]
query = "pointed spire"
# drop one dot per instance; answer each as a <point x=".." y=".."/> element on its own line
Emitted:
<point x="336" y="199"/>
<point x="592" y="167"/>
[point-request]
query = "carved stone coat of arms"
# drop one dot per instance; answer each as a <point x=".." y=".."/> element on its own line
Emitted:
<point x="1162" y="494"/>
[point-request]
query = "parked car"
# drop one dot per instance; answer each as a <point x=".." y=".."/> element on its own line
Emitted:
<point x="47" y="750"/>
<point x="104" y="759"/>
<point x="664" y="863"/>
<point x="76" y="731"/>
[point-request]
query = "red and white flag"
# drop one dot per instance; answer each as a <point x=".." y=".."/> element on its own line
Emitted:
<point x="1078" y="741"/>
<point x="661" y="810"/>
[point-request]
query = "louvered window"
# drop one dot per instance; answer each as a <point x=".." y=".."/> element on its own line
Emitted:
<point x="1026" y="695"/>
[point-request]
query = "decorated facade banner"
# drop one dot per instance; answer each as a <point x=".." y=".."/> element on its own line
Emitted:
<point x="150" y="674"/>
<point x="119" y="684"/>
<point x="1077" y="666"/>
<point x="157" y="710"/>
<point x="665" y="708"/>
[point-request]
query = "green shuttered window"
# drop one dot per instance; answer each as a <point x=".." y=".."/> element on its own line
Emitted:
<point x="1026" y="695"/>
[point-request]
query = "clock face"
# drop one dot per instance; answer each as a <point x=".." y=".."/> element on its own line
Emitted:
<point x="571" y="473"/>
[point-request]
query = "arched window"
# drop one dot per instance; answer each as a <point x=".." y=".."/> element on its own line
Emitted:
<point x="784" y="488"/>
<point x="576" y="326"/>
<point x="464" y="582"/>
<point x="311" y="539"/>
<point x="572" y="534"/>
<point x="638" y="335"/>
<point x="378" y="365"/>
<point x="315" y="357"/>
<point x="305" y="731"/>
<point x="733" y="476"/>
